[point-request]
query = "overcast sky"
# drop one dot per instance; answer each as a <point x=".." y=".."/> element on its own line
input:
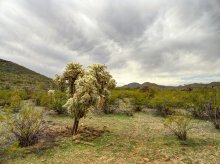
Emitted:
<point x="168" y="42"/>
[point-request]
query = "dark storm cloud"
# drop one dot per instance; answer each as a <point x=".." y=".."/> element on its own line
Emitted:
<point x="125" y="21"/>
<point x="168" y="42"/>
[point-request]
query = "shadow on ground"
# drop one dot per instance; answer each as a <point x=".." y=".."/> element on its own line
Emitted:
<point x="55" y="135"/>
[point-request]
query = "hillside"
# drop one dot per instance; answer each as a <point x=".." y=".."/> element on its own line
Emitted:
<point x="13" y="75"/>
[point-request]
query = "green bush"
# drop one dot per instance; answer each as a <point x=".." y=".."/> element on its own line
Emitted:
<point x="216" y="123"/>
<point x="58" y="100"/>
<point x="5" y="97"/>
<point x="203" y="102"/>
<point x="41" y="97"/>
<point x="15" y="103"/>
<point x="12" y="98"/>
<point x="53" y="101"/>
<point x="179" y="125"/>
<point x="26" y="126"/>
<point x="138" y="98"/>
<point x="6" y="138"/>
<point x="214" y="116"/>
<point x="165" y="101"/>
<point x="22" y="93"/>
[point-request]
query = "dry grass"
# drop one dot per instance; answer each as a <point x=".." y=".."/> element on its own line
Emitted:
<point x="121" y="139"/>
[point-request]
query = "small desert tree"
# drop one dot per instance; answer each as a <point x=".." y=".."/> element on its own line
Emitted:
<point x="72" y="72"/>
<point x="83" y="100"/>
<point x="104" y="83"/>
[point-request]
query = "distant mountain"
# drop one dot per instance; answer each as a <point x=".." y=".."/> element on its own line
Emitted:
<point x="198" y="85"/>
<point x="153" y="85"/>
<point x="13" y="75"/>
<point x="214" y="84"/>
<point x="132" y="85"/>
<point x="146" y="84"/>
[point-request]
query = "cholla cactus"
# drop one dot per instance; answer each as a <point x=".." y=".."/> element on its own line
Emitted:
<point x="60" y="82"/>
<point x="72" y="72"/>
<point x="83" y="99"/>
<point x="104" y="83"/>
<point x="87" y="90"/>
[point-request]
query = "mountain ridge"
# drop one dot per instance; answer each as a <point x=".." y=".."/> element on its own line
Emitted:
<point x="152" y="85"/>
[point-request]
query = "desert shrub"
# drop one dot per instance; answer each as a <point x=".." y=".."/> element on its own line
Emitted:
<point x="196" y="101"/>
<point x="15" y="103"/>
<point x="179" y="125"/>
<point x="26" y="126"/>
<point x="42" y="86"/>
<point x="5" y="97"/>
<point x="202" y="102"/>
<point x="12" y="99"/>
<point x="216" y="123"/>
<point x="214" y="116"/>
<point x="123" y="106"/>
<point x="114" y="96"/>
<point x="150" y="92"/>
<point x="21" y="93"/>
<point x="58" y="100"/>
<point x="138" y="99"/>
<point x="6" y="139"/>
<point x="164" y="110"/>
<point x="111" y="108"/>
<point x="114" y="100"/>
<point x="165" y="101"/>
<point x="129" y="113"/>
<point x="36" y="96"/>
<point x="53" y="101"/>
<point x="137" y="108"/>
<point x="211" y="110"/>
<point x="41" y="97"/>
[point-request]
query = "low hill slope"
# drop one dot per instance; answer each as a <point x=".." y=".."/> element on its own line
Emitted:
<point x="13" y="75"/>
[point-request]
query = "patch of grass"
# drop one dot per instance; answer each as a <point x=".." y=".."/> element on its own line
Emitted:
<point x="138" y="139"/>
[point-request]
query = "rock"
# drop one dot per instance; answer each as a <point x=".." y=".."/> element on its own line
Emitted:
<point x="146" y="159"/>
<point x="77" y="141"/>
<point x="88" y="143"/>
<point x="43" y="160"/>
<point x="76" y="137"/>
<point x="104" y="128"/>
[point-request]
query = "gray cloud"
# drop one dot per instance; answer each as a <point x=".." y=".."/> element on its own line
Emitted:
<point x="167" y="42"/>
